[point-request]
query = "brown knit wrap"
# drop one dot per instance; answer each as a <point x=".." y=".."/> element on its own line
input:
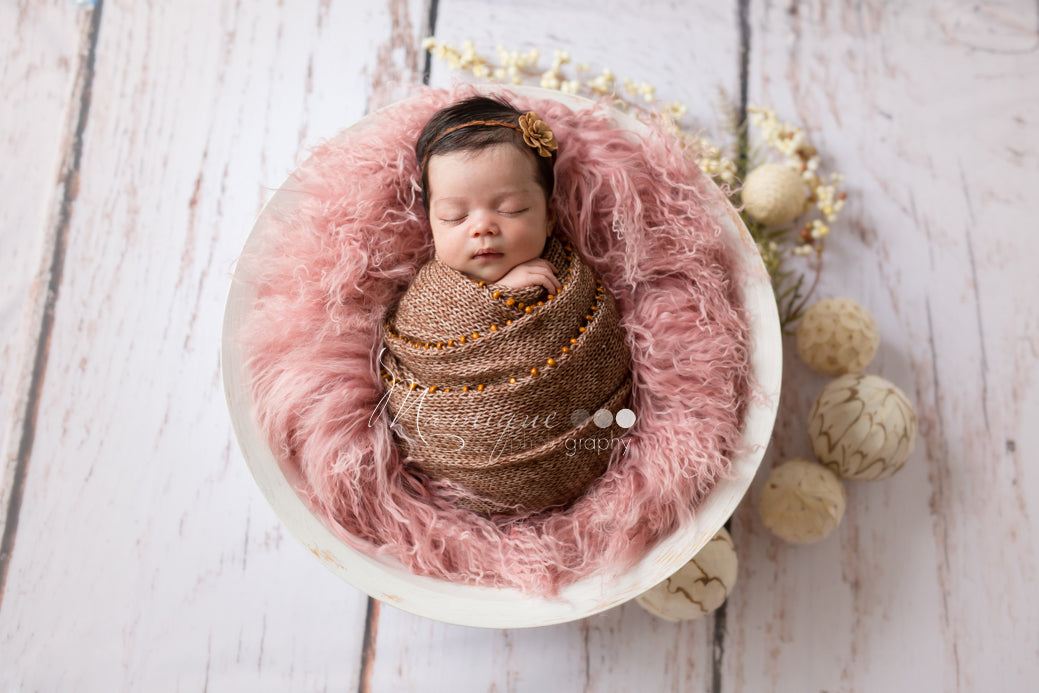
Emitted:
<point x="521" y="445"/>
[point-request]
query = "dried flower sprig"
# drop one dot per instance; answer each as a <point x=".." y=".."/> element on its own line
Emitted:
<point x="824" y="202"/>
<point x="514" y="67"/>
<point x="759" y="138"/>
<point x="791" y="142"/>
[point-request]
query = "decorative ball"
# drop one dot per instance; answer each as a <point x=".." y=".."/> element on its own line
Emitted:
<point x="802" y="501"/>
<point x="699" y="587"/>
<point x="862" y="427"/>
<point x="837" y="336"/>
<point x="773" y="194"/>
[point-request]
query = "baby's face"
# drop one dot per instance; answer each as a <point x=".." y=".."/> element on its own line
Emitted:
<point x="487" y="210"/>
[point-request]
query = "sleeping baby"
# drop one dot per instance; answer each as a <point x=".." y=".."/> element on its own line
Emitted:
<point x="506" y="342"/>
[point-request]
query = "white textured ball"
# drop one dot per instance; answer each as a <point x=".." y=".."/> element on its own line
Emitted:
<point x="773" y="194"/>
<point x="802" y="501"/>
<point x="699" y="587"/>
<point x="862" y="427"/>
<point x="837" y="336"/>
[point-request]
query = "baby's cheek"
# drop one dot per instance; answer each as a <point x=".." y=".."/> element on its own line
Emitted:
<point x="449" y="253"/>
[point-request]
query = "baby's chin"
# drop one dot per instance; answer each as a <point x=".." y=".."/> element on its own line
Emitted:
<point x="489" y="277"/>
<point x="489" y="274"/>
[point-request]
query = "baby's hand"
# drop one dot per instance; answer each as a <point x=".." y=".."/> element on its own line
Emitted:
<point x="536" y="272"/>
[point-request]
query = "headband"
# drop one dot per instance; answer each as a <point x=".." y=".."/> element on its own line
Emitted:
<point x="536" y="134"/>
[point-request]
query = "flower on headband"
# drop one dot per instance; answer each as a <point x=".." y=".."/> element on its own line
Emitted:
<point x="537" y="134"/>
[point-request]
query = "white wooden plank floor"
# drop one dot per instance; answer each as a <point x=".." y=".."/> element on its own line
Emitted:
<point x="141" y="139"/>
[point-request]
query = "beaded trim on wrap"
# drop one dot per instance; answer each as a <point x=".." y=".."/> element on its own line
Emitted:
<point x="484" y="382"/>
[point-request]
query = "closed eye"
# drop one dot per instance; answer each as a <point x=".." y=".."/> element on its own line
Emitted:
<point x="453" y="221"/>
<point x="512" y="213"/>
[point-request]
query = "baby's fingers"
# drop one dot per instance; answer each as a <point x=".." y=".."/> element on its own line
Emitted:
<point x="557" y="285"/>
<point x="546" y="278"/>
<point x="553" y="285"/>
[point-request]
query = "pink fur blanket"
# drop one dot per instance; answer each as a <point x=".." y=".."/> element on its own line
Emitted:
<point x="638" y="212"/>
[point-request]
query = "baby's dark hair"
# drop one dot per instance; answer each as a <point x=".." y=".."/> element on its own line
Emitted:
<point x="435" y="138"/>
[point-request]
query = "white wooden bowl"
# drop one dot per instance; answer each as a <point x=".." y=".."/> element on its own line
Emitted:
<point x="387" y="580"/>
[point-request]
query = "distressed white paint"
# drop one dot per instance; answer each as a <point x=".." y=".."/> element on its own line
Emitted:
<point x="147" y="560"/>
<point x="37" y="78"/>
<point x="929" y="583"/>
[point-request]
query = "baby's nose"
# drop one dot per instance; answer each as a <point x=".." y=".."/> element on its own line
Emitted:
<point x="483" y="223"/>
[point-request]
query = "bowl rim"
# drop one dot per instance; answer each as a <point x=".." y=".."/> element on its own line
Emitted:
<point x="384" y="578"/>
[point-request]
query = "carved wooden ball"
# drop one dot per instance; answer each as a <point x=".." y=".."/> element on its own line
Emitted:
<point x="802" y="502"/>
<point x="862" y="427"/>
<point x="773" y="194"/>
<point x="837" y="336"/>
<point x="699" y="587"/>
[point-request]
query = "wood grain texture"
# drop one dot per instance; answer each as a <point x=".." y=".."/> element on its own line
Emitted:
<point x="623" y="649"/>
<point x="688" y="51"/>
<point x="38" y="114"/>
<point x="927" y="584"/>
<point x="145" y="557"/>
